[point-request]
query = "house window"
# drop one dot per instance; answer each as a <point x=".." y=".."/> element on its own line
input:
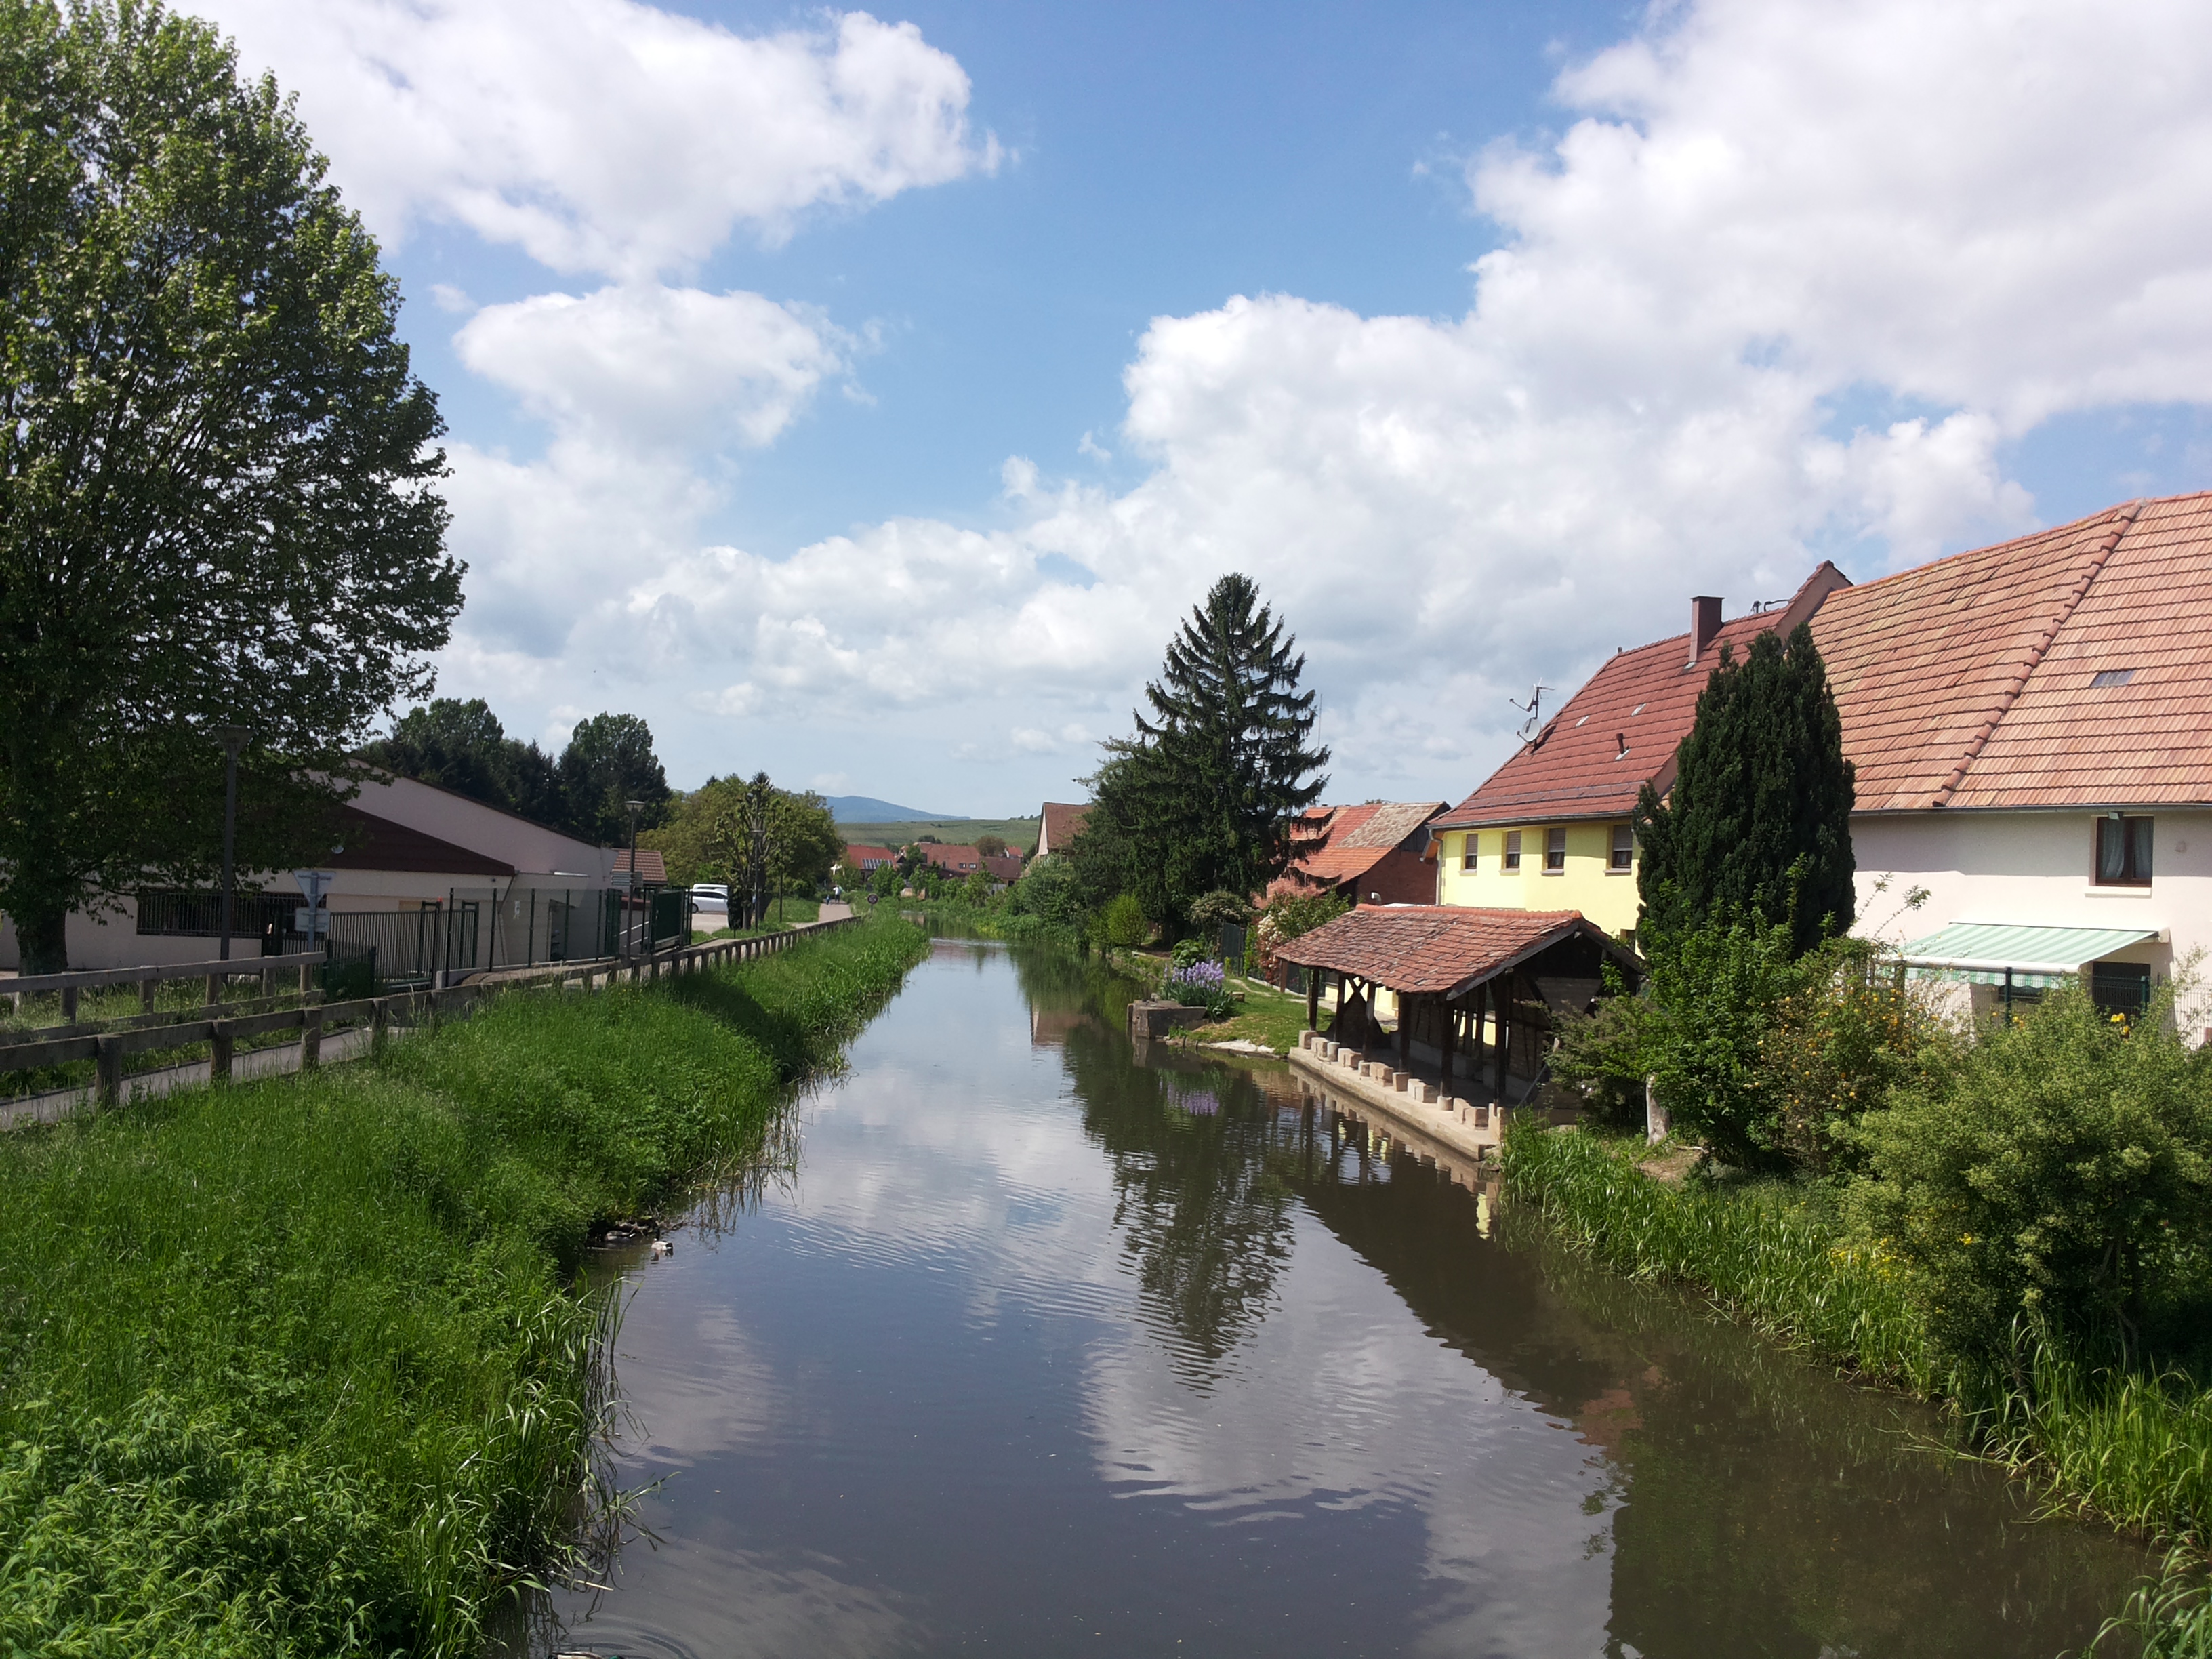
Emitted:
<point x="1624" y="847"/>
<point x="2123" y="851"/>
<point x="1555" y="849"/>
<point x="1512" y="851"/>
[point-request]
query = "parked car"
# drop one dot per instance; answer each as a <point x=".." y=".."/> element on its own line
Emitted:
<point x="711" y="899"/>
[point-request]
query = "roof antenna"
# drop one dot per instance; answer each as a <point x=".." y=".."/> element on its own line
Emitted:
<point x="1533" y="709"/>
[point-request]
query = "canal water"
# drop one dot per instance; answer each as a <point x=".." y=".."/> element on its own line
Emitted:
<point x="1044" y="1346"/>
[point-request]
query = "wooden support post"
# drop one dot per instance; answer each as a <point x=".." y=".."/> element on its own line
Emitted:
<point x="1405" y="1006"/>
<point x="214" y="989"/>
<point x="311" y="1038"/>
<point x="110" y="1064"/>
<point x="1313" y="998"/>
<point x="307" y="979"/>
<point x="69" y="1005"/>
<point x="221" y="1048"/>
<point x="380" y="1020"/>
<point x="268" y="983"/>
<point x="1445" y="1071"/>
<point x="145" y="988"/>
<point x="1502" y="1065"/>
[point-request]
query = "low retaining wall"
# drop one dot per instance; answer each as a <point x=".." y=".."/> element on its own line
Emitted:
<point x="1456" y="1128"/>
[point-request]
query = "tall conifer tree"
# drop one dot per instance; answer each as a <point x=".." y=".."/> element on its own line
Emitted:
<point x="1208" y="794"/>
<point x="1760" y="815"/>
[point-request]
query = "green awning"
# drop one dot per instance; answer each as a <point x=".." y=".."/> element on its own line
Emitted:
<point x="1981" y="952"/>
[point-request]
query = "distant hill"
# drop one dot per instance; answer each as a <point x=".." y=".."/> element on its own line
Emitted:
<point x="866" y="809"/>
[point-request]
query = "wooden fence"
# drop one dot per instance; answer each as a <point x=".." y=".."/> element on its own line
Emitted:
<point x="222" y="1032"/>
<point x="149" y="979"/>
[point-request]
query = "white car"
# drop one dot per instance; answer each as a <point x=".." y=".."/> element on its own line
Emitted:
<point x="710" y="899"/>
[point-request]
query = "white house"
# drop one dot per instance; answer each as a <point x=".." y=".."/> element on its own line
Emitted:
<point x="472" y="883"/>
<point x="2031" y="728"/>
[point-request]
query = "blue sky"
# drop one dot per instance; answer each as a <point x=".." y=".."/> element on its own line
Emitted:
<point x="865" y="402"/>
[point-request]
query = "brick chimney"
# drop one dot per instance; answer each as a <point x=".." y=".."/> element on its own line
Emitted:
<point x="1704" y="622"/>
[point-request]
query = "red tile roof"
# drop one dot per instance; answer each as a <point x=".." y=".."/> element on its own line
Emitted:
<point x="652" y="868"/>
<point x="1060" y="826"/>
<point x="1426" y="949"/>
<point x="1003" y="866"/>
<point x="863" y="858"/>
<point x="1355" y="839"/>
<point x="959" y="860"/>
<point x="1591" y="757"/>
<point x="1968" y="682"/>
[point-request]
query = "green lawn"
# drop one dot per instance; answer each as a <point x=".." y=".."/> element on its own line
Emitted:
<point x="1266" y="1016"/>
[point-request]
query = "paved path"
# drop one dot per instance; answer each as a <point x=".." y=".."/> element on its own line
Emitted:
<point x="836" y="910"/>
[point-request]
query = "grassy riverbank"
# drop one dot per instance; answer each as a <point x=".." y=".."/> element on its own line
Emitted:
<point x="300" y="1366"/>
<point x="2130" y="1447"/>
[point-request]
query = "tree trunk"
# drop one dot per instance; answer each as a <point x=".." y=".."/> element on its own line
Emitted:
<point x="42" y="937"/>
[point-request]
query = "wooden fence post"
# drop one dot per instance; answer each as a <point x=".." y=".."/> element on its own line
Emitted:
<point x="110" y="1062"/>
<point x="69" y="1005"/>
<point x="380" y="1019"/>
<point x="222" y="1047"/>
<point x="311" y="1037"/>
<point x="214" y="989"/>
<point x="146" y="995"/>
<point x="306" y="979"/>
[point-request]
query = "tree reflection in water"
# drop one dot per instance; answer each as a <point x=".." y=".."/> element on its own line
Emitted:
<point x="1757" y="1504"/>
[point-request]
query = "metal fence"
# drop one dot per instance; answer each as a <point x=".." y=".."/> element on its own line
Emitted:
<point x="479" y="929"/>
<point x="175" y="913"/>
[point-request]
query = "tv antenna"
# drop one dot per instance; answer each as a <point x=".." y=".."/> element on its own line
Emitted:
<point x="1533" y="709"/>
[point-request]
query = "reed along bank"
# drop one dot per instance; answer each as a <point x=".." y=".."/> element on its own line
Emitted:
<point x="305" y="1366"/>
<point x="2130" y="1443"/>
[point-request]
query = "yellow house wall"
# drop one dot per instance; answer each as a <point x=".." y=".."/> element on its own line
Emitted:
<point x="1606" y="897"/>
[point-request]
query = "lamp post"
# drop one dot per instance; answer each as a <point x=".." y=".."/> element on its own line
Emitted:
<point x="233" y="738"/>
<point x="635" y="807"/>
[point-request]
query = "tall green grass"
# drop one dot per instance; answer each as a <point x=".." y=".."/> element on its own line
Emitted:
<point x="2131" y="1448"/>
<point x="302" y="1366"/>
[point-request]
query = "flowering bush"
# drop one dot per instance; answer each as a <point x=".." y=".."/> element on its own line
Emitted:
<point x="1199" y="985"/>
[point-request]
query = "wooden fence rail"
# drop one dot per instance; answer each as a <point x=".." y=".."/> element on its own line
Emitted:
<point x="150" y="978"/>
<point x="108" y="1049"/>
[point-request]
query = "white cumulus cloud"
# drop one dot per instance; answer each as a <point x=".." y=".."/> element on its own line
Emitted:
<point x="1787" y="284"/>
<point x="605" y="135"/>
<point x="654" y="364"/>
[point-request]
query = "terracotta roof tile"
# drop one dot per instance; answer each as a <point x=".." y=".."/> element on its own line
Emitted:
<point x="1623" y="726"/>
<point x="1358" y="838"/>
<point x="1425" y="948"/>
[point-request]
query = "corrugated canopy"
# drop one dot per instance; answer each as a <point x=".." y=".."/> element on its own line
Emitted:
<point x="1443" y="949"/>
<point x="1982" y="951"/>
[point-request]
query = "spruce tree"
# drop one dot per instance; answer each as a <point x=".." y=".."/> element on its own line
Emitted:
<point x="1759" y="818"/>
<point x="1208" y="795"/>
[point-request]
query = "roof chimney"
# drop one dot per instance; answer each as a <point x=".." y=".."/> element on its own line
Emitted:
<point x="1704" y="622"/>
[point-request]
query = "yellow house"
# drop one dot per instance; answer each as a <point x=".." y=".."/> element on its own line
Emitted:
<point x="1550" y="829"/>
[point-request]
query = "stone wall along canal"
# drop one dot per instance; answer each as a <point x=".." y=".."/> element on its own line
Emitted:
<point x="1042" y="1350"/>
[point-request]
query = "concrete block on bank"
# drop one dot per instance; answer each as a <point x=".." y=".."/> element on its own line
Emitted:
<point x="1428" y="1094"/>
<point x="1148" y="1020"/>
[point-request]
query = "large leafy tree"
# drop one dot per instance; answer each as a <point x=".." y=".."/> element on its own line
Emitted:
<point x="608" y="763"/>
<point x="462" y="747"/>
<point x="1208" y="795"/>
<point x="772" y="840"/>
<point x="1759" y="820"/>
<point x="216" y="468"/>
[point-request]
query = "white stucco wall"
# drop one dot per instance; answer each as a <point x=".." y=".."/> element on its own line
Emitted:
<point x="2033" y="868"/>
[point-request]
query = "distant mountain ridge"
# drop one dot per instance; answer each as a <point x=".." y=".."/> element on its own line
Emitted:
<point x="866" y="809"/>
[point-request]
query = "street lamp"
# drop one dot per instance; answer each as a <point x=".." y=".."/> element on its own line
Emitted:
<point x="233" y="738"/>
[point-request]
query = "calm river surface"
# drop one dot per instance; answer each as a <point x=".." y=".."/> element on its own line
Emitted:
<point x="1042" y="1350"/>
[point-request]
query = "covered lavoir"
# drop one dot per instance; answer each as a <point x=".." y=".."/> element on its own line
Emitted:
<point x="1476" y="989"/>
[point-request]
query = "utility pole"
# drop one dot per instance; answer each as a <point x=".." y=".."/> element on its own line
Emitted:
<point x="233" y="738"/>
